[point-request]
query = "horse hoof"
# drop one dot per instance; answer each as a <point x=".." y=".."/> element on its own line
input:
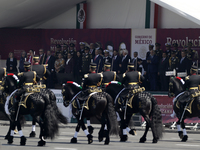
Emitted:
<point x="10" y="139"/>
<point x="107" y="141"/>
<point x="32" y="134"/>
<point x="132" y="132"/>
<point x="23" y="140"/>
<point x="123" y="138"/>
<point x="184" y="139"/>
<point x="142" y="139"/>
<point x="73" y="140"/>
<point x="90" y="129"/>
<point x="41" y="143"/>
<point x="90" y="140"/>
<point x="154" y="141"/>
<point x="180" y="134"/>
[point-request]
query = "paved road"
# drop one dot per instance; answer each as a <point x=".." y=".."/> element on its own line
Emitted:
<point x="170" y="141"/>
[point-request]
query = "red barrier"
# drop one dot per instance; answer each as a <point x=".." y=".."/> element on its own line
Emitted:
<point x="166" y="106"/>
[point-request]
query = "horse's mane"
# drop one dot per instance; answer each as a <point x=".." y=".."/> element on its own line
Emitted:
<point x="178" y="84"/>
<point x="11" y="80"/>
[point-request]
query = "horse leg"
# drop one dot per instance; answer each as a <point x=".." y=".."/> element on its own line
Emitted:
<point x="8" y="133"/>
<point x="74" y="139"/>
<point x="185" y="137"/>
<point x="33" y="134"/>
<point x="89" y="136"/>
<point x="10" y="138"/>
<point x="148" y="123"/>
<point x="123" y="136"/>
<point x="22" y="137"/>
<point x="180" y="133"/>
<point x="39" y="120"/>
<point x="130" y="131"/>
<point x="107" y="141"/>
<point x="103" y="124"/>
<point x="90" y="128"/>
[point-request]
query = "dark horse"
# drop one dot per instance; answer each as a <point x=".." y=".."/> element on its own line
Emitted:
<point x="193" y="108"/>
<point x="99" y="105"/>
<point x="142" y="102"/>
<point x="43" y="111"/>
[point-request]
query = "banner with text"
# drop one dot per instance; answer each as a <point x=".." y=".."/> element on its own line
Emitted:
<point x="179" y="36"/>
<point x="18" y="40"/>
<point x="140" y="39"/>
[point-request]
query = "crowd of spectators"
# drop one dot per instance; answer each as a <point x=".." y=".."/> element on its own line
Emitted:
<point x="68" y="64"/>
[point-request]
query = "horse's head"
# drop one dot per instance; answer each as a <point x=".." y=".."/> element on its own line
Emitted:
<point x="9" y="83"/>
<point x="175" y="86"/>
<point x="69" y="90"/>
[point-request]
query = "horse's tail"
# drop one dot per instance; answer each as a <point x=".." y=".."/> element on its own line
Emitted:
<point x="58" y="114"/>
<point x="114" y="128"/>
<point x="50" y="122"/>
<point x="156" y="118"/>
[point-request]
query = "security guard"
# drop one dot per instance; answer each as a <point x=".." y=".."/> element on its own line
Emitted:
<point x="86" y="60"/>
<point x="173" y="61"/>
<point x="2" y="74"/>
<point x="177" y="51"/>
<point x="93" y="79"/>
<point x="132" y="79"/>
<point x="108" y="75"/>
<point x="27" y="79"/>
<point x="41" y="70"/>
<point x="158" y="51"/>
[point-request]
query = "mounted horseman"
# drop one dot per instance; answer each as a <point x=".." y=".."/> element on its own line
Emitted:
<point x="43" y="74"/>
<point x="186" y="103"/>
<point x="30" y="100"/>
<point x="90" y="101"/>
<point x="130" y="98"/>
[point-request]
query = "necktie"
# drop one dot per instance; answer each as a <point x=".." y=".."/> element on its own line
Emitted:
<point x="95" y="57"/>
<point x="47" y="60"/>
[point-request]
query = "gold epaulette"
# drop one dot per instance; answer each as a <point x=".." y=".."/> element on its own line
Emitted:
<point x="45" y="65"/>
<point x="98" y="84"/>
<point x="124" y="75"/>
<point x="20" y="74"/>
<point x="187" y="78"/>
<point x="4" y="71"/>
<point x="86" y="75"/>
<point x="139" y="77"/>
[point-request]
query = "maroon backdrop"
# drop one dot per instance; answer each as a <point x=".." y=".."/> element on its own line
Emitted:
<point x="179" y="36"/>
<point x="16" y="40"/>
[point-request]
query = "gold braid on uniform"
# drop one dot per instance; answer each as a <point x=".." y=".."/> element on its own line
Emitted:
<point x="139" y="77"/>
<point x="170" y="62"/>
<point x="34" y="77"/>
<point x="114" y="79"/>
<point x="4" y="71"/>
<point x="187" y="78"/>
<point x="44" y="73"/>
<point x="98" y="84"/>
<point x="124" y="75"/>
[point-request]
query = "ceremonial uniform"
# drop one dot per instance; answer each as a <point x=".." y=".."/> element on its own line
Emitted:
<point x="192" y="82"/>
<point x="173" y="63"/>
<point x="108" y="75"/>
<point x="27" y="79"/>
<point x="93" y="79"/>
<point x="41" y="71"/>
<point x="86" y="60"/>
<point x="132" y="79"/>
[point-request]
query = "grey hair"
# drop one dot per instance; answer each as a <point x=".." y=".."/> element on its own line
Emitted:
<point x="125" y="50"/>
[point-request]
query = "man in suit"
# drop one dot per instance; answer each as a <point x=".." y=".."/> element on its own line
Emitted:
<point x="42" y="56"/>
<point x="124" y="61"/>
<point x="152" y="61"/>
<point x="184" y="64"/>
<point x="50" y="61"/>
<point x="98" y="59"/>
<point x="115" y="61"/>
<point x="134" y="60"/>
<point x="69" y="65"/>
<point x="158" y="51"/>
<point x="92" y="49"/>
<point x="163" y="67"/>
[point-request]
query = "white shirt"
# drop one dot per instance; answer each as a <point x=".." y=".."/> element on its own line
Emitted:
<point x="67" y="61"/>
